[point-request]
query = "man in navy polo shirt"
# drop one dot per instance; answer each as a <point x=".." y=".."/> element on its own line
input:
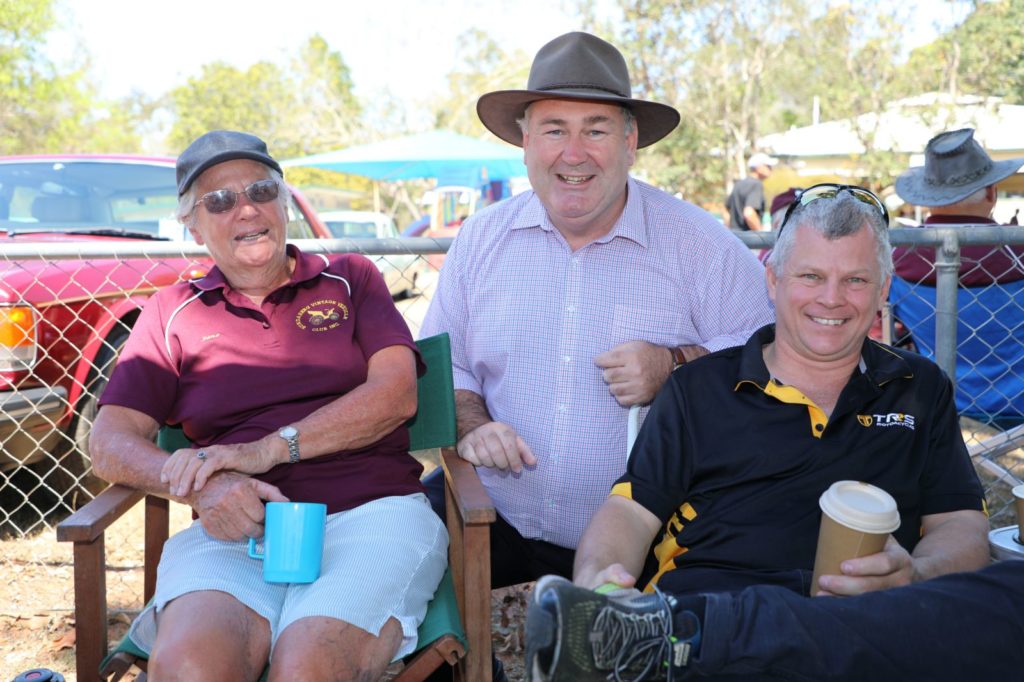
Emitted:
<point x="721" y="492"/>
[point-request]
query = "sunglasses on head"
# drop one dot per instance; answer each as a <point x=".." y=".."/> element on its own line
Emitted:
<point x="223" y="200"/>
<point x="828" y="190"/>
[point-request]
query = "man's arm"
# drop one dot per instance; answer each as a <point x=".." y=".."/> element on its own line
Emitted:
<point x="485" y="442"/>
<point x="952" y="542"/>
<point x="614" y="545"/>
<point x="751" y="217"/>
<point x="636" y="370"/>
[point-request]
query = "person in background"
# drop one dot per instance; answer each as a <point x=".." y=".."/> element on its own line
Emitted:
<point x="746" y="201"/>
<point x="293" y="376"/>
<point x="780" y="204"/>
<point x="957" y="186"/>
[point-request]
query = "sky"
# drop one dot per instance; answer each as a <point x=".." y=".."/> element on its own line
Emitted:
<point x="407" y="45"/>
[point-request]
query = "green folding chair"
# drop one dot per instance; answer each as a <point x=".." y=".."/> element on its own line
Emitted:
<point x="457" y="627"/>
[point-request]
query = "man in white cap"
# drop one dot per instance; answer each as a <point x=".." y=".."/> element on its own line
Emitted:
<point x="570" y="303"/>
<point x="746" y="201"/>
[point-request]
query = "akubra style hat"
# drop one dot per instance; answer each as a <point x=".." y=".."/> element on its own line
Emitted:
<point x="955" y="167"/>
<point x="576" y="66"/>
<point x="218" y="146"/>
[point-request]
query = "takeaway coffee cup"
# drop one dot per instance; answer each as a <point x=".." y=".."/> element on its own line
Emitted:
<point x="1018" y="500"/>
<point x="856" y="519"/>
<point x="293" y="542"/>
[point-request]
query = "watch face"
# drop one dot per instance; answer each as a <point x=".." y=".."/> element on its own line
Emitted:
<point x="288" y="432"/>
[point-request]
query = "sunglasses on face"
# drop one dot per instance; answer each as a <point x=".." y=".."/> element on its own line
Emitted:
<point x="829" y="190"/>
<point x="223" y="200"/>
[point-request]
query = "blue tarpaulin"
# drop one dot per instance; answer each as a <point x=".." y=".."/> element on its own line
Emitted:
<point x="451" y="158"/>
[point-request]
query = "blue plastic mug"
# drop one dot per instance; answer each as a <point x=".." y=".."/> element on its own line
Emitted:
<point x="293" y="542"/>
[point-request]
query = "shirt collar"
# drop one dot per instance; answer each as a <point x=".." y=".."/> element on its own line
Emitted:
<point x="630" y="224"/>
<point x="307" y="267"/>
<point x="878" y="363"/>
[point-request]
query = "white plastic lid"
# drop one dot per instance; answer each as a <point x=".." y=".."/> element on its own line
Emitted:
<point x="861" y="506"/>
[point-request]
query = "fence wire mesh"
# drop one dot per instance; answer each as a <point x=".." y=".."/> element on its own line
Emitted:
<point x="69" y="308"/>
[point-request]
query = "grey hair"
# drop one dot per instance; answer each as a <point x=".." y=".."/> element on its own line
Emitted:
<point x="842" y="216"/>
<point x="186" y="212"/>
<point x="627" y="116"/>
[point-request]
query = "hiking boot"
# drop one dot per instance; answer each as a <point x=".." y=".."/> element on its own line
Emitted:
<point x="574" y="634"/>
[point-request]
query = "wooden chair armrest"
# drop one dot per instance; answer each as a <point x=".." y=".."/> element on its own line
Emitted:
<point x="470" y="514"/>
<point x="471" y="498"/>
<point x="91" y="520"/>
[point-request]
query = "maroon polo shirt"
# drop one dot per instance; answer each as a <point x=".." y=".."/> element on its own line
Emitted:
<point x="205" y="356"/>
<point x="979" y="265"/>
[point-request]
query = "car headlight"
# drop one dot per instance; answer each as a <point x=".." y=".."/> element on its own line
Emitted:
<point x="18" y="346"/>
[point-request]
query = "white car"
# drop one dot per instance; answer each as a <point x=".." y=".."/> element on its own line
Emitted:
<point x="400" y="271"/>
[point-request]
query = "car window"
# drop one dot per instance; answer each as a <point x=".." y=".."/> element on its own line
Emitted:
<point x="352" y="228"/>
<point x="82" y="194"/>
<point x="298" y="226"/>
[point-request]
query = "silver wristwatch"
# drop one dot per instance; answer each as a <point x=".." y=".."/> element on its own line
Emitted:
<point x="291" y="436"/>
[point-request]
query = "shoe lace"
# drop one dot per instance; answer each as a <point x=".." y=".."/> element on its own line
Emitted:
<point x="632" y="640"/>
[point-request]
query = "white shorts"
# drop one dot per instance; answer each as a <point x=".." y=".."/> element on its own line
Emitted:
<point x="382" y="560"/>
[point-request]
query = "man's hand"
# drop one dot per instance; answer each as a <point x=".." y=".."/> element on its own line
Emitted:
<point x="184" y="471"/>
<point x="891" y="567"/>
<point x="497" y="446"/>
<point x="616" y="574"/>
<point x="634" y="371"/>
<point x="231" y="505"/>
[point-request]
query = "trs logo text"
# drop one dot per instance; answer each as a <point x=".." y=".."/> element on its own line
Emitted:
<point x="891" y="419"/>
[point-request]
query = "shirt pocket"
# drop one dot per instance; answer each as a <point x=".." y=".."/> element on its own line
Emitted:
<point x="660" y="327"/>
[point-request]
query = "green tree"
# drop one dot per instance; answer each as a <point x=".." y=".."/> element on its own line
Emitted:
<point x="225" y="97"/>
<point x="482" y="67"/>
<point x="983" y="55"/>
<point x="43" y="109"/>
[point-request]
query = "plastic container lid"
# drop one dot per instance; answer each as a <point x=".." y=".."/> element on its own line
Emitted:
<point x="861" y="506"/>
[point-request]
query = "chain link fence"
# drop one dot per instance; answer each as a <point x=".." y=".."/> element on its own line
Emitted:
<point x="69" y="308"/>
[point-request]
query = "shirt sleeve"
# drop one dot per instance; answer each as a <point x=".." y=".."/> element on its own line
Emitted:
<point x="660" y="467"/>
<point x="950" y="482"/>
<point x="379" y="325"/>
<point x="733" y="303"/>
<point x="448" y="311"/>
<point x="146" y="375"/>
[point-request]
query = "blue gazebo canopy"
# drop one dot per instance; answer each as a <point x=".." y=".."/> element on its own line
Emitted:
<point x="451" y="158"/>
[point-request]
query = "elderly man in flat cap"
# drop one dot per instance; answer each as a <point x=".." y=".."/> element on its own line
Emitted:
<point x="572" y="302"/>
<point x="957" y="185"/>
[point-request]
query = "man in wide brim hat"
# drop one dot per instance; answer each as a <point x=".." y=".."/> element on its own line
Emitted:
<point x="955" y="167"/>
<point x="574" y="300"/>
<point x="575" y="66"/>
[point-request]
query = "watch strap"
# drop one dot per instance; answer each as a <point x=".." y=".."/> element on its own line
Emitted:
<point x="678" y="359"/>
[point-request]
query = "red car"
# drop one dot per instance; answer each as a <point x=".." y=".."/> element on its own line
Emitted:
<point x="63" y="320"/>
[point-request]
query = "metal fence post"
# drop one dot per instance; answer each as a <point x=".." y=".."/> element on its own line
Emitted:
<point x="947" y="266"/>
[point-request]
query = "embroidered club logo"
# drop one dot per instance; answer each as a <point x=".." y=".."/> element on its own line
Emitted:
<point x="321" y="316"/>
<point x="886" y="420"/>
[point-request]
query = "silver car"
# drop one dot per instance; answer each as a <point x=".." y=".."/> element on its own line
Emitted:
<point x="400" y="271"/>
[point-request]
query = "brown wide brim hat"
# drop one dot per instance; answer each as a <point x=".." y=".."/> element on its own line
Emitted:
<point x="955" y="167"/>
<point x="575" y="66"/>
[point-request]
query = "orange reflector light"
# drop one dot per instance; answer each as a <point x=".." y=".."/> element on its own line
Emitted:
<point x="17" y="327"/>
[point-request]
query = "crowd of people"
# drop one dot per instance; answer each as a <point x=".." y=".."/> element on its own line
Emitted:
<point x="568" y="305"/>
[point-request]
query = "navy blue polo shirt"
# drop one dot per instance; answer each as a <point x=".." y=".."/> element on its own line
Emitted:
<point x="734" y="463"/>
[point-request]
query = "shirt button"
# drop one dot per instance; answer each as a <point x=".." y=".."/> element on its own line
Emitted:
<point x="561" y="408"/>
<point x="266" y="325"/>
<point x="819" y="427"/>
<point x="567" y="358"/>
